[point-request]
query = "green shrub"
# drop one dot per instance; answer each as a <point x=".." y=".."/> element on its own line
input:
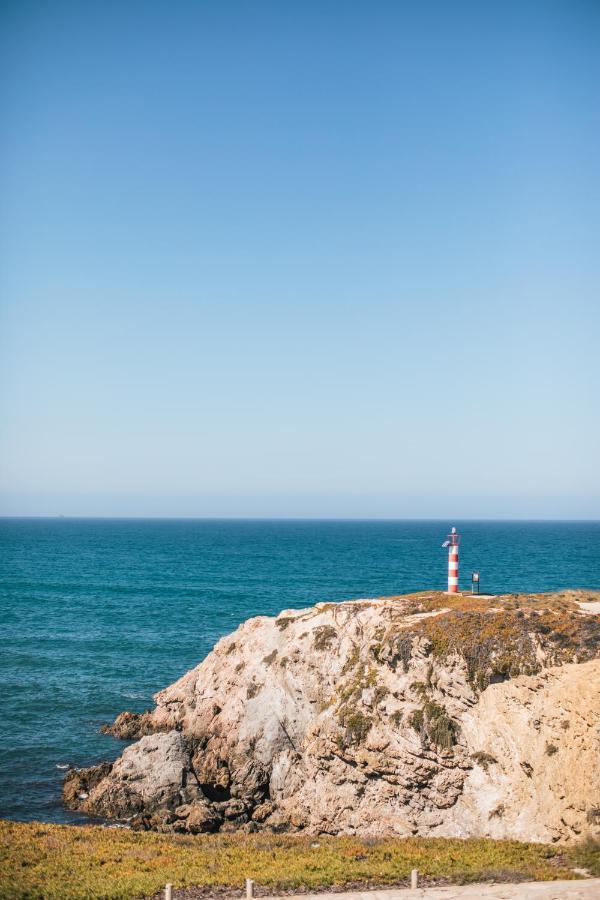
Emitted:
<point x="324" y="637"/>
<point x="416" y="719"/>
<point x="356" y="727"/>
<point x="483" y="759"/>
<point x="434" y="725"/>
<point x="253" y="689"/>
<point x="351" y="661"/>
<point x="420" y="688"/>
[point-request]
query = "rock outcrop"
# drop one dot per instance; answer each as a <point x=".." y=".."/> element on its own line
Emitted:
<point x="130" y="726"/>
<point x="406" y="715"/>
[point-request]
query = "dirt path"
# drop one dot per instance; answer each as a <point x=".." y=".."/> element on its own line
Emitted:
<point x="533" y="890"/>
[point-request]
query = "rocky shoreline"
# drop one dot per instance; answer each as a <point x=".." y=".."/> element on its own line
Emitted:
<point x="414" y="715"/>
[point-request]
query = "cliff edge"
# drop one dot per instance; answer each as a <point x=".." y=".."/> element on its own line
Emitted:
<point x="413" y="715"/>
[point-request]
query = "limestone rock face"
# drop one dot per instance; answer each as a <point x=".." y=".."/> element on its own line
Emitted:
<point x="413" y="715"/>
<point x="544" y="732"/>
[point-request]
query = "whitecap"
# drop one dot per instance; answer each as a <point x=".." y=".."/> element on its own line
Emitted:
<point x="63" y="766"/>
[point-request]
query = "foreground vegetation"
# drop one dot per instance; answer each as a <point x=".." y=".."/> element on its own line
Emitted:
<point x="59" y="861"/>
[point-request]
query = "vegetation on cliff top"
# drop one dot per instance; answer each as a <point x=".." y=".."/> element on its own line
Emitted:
<point x="498" y="638"/>
<point x="58" y="862"/>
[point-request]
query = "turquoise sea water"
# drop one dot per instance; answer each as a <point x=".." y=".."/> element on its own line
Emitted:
<point x="97" y="615"/>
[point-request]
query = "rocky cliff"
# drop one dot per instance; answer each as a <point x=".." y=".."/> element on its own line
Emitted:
<point x="410" y="715"/>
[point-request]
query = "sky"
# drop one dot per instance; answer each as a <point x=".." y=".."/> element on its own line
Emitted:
<point x="334" y="259"/>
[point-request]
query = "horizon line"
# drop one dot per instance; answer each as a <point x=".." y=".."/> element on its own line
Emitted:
<point x="111" y="518"/>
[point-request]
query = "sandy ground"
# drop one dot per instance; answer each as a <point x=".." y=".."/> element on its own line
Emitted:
<point x="588" y="889"/>
<point x="590" y="607"/>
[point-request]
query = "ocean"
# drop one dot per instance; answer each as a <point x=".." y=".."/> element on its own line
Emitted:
<point x="98" y="614"/>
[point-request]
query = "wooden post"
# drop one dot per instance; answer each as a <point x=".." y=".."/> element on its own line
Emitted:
<point x="414" y="879"/>
<point x="249" y="889"/>
<point x="168" y="892"/>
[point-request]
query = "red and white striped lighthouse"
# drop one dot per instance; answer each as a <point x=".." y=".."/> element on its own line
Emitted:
<point x="452" y="545"/>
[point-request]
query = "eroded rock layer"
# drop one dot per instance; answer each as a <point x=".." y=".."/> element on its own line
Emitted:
<point x="404" y="715"/>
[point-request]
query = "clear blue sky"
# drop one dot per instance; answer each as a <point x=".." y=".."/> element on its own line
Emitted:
<point x="317" y="259"/>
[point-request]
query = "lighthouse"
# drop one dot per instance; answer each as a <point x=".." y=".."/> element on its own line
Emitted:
<point x="452" y="543"/>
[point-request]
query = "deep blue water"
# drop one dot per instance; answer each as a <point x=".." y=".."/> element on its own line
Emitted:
<point x="97" y="615"/>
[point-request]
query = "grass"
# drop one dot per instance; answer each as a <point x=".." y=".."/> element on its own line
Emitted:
<point x="587" y="856"/>
<point x="80" y="863"/>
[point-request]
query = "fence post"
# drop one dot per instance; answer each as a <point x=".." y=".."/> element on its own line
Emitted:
<point x="414" y="879"/>
<point x="249" y="889"/>
<point x="168" y="891"/>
